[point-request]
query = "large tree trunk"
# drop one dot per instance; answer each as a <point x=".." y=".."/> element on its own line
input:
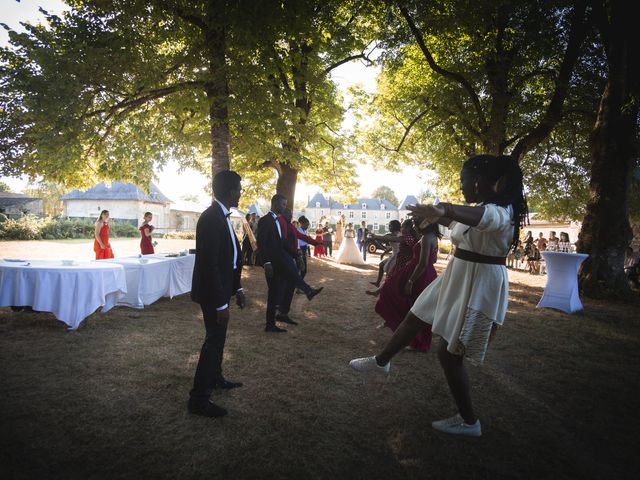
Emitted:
<point x="606" y="232"/>
<point x="287" y="179"/>
<point x="217" y="87"/>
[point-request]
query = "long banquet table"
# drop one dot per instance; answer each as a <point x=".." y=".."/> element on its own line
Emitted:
<point x="161" y="276"/>
<point x="70" y="292"/>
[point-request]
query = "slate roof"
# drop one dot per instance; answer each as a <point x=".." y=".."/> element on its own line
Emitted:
<point x="118" y="191"/>
<point x="409" y="200"/>
<point x="8" y="199"/>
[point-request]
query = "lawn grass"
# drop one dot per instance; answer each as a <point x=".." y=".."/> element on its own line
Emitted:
<point x="556" y="397"/>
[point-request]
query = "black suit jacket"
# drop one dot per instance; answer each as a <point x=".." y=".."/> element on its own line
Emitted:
<point x="270" y="245"/>
<point x="214" y="279"/>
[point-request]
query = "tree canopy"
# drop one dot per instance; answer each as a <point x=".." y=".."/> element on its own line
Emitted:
<point x="113" y="89"/>
<point x="385" y="193"/>
<point x="495" y="77"/>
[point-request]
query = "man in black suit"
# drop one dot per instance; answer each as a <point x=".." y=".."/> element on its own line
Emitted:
<point x="361" y="235"/>
<point x="216" y="278"/>
<point x="279" y="266"/>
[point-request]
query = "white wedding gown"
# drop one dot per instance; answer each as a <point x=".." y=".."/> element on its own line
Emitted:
<point x="348" y="252"/>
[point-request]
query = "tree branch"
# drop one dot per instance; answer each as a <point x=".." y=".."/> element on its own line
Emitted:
<point x="553" y="115"/>
<point x="408" y="129"/>
<point x="147" y="97"/>
<point x="180" y="12"/>
<point x="343" y="61"/>
<point x="456" y="77"/>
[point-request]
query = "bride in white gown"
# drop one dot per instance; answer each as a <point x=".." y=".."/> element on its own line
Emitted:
<point x="348" y="252"/>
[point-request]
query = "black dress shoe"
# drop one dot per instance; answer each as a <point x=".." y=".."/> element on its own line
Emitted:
<point x="273" y="328"/>
<point x="227" y="385"/>
<point x="286" y="319"/>
<point x="314" y="292"/>
<point x="206" y="409"/>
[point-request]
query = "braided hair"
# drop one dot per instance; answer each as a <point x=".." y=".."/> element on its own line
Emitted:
<point x="504" y="173"/>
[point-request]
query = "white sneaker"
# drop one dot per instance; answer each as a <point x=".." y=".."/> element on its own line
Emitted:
<point x="368" y="364"/>
<point x="456" y="426"/>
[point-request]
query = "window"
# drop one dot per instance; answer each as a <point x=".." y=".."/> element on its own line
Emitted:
<point x="346" y="206"/>
<point x="382" y="206"/>
<point x="364" y="214"/>
<point x="339" y="212"/>
<point x="351" y="214"/>
<point x="388" y="215"/>
<point x="364" y="206"/>
<point x="322" y="213"/>
<point x="317" y="204"/>
<point x="376" y="226"/>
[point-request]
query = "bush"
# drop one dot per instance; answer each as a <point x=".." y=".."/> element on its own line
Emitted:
<point x="180" y="235"/>
<point x="122" y="230"/>
<point x="30" y="227"/>
<point x="444" y="248"/>
<point x="25" y="228"/>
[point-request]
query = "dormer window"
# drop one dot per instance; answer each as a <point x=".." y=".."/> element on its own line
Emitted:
<point x="317" y="204"/>
<point x="382" y="206"/>
<point x="364" y="206"/>
<point x="346" y="206"/>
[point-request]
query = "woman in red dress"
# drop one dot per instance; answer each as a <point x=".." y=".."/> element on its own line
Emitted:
<point x="146" y="245"/>
<point x="101" y="244"/>
<point x="318" y="249"/>
<point x="406" y="282"/>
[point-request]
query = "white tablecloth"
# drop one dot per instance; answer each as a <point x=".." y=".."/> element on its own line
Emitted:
<point x="71" y="293"/>
<point x="561" y="291"/>
<point x="161" y="277"/>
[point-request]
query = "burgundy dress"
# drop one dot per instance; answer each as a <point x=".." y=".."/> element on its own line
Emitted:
<point x="393" y="305"/>
<point x="146" y="247"/>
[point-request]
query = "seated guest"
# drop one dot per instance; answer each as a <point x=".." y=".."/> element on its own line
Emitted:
<point x="541" y="265"/>
<point x="552" y="246"/>
<point x="540" y="240"/>
<point x="564" y="245"/>
<point x="512" y="258"/>
<point x="533" y="259"/>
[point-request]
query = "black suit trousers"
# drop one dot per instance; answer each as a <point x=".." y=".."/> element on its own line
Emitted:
<point x="209" y="369"/>
<point x="290" y="281"/>
<point x="274" y="289"/>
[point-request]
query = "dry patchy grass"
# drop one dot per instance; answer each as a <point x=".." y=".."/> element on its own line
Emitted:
<point x="556" y="395"/>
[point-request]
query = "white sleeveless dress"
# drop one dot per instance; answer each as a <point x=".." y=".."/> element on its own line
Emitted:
<point x="465" y="301"/>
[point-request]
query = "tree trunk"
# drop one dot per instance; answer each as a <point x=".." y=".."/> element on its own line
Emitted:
<point x="217" y="88"/>
<point x="606" y="232"/>
<point x="287" y="179"/>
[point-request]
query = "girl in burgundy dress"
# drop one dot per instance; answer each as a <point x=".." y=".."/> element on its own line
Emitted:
<point x="406" y="282"/>
<point x="101" y="244"/>
<point x="146" y="245"/>
<point x="318" y="250"/>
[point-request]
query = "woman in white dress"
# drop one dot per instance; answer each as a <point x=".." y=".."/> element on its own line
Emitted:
<point x="467" y="303"/>
<point x="349" y="252"/>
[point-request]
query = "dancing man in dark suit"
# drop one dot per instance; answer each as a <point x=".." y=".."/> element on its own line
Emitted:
<point x="279" y="266"/>
<point x="216" y="278"/>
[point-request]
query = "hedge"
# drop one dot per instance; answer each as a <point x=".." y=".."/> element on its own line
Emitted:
<point x="31" y="227"/>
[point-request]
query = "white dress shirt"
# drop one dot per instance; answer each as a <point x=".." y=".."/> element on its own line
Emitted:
<point x="232" y="234"/>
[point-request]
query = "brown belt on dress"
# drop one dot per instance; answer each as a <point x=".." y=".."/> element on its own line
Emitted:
<point x="478" y="258"/>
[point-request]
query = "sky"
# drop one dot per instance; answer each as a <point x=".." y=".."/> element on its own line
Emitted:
<point x="176" y="185"/>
